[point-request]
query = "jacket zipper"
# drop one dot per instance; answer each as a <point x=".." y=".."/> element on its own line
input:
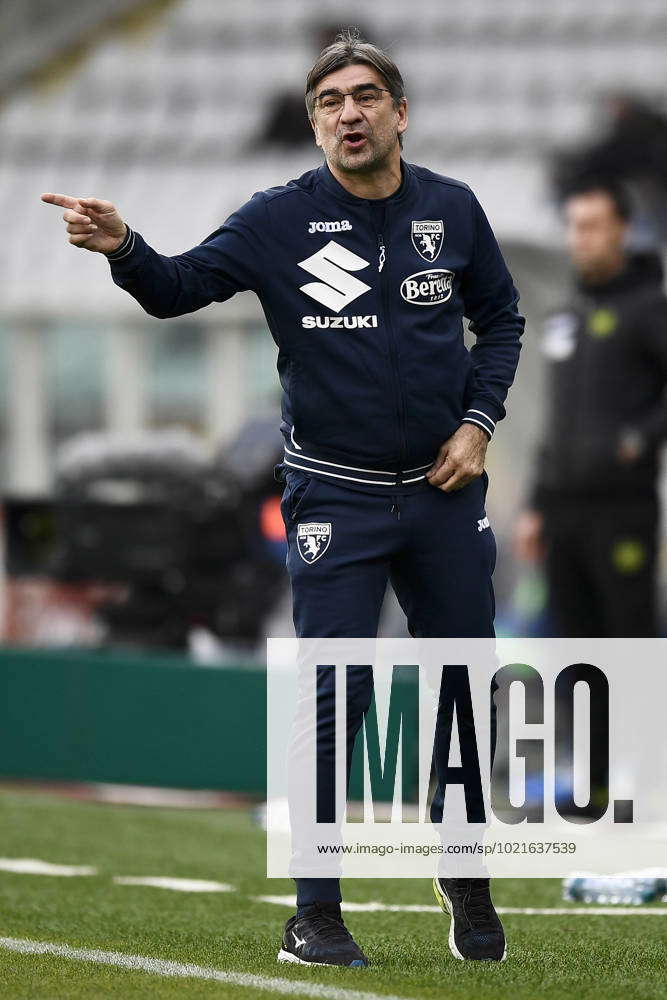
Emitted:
<point x="393" y="354"/>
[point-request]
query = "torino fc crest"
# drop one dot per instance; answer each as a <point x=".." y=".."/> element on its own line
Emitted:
<point x="313" y="540"/>
<point x="427" y="238"/>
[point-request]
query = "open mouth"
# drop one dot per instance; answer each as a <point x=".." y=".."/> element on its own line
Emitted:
<point x="354" y="140"/>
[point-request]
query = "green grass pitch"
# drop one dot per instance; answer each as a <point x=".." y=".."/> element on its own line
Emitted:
<point x="566" y="957"/>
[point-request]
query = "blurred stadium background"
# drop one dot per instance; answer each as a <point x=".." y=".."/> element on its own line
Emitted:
<point x="130" y="522"/>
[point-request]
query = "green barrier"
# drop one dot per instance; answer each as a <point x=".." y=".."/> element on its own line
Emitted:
<point x="131" y="718"/>
<point x="142" y="719"/>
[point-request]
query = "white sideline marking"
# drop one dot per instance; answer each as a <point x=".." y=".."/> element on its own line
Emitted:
<point x="177" y="884"/>
<point x="34" y="866"/>
<point x="163" y="967"/>
<point x="358" y="907"/>
<point x="534" y="911"/>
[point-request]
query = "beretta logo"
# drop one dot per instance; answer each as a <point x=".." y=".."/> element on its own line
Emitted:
<point x="428" y="288"/>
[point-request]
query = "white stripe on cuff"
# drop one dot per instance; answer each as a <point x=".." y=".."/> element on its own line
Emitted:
<point x="483" y="414"/>
<point x="125" y="249"/>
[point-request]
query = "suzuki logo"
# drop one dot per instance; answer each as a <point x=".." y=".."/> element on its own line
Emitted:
<point x="336" y="288"/>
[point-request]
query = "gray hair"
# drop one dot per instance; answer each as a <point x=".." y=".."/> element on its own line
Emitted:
<point x="349" y="49"/>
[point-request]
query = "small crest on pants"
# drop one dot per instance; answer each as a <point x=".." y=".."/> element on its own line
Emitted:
<point x="313" y="540"/>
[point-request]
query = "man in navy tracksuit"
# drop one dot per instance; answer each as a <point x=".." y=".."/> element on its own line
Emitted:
<point x="365" y="268"/>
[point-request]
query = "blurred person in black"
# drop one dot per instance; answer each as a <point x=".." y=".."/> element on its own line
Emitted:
<point x="632" y="148"/>
<point x="593" y="508"/>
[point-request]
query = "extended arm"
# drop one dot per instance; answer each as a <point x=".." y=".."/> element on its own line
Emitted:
<point x="225" y="263"/>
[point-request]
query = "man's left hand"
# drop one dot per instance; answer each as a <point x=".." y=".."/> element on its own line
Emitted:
<point x="460" y="460"/>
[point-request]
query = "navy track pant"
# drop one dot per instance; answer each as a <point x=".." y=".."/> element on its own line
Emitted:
<point x="436" y="549"/>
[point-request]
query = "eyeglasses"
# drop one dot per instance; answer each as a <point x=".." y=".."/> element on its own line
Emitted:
<point x="333" y="101"/>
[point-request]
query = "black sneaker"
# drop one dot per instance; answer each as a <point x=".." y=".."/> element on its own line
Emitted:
<point x="319" y="937"/>
<point x="475" y="931"/>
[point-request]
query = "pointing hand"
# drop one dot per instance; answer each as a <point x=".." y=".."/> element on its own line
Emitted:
<point x="92" y="224"/>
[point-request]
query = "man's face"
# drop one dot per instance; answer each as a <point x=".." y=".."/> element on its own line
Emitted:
<point x="356" y="138"/>
<point x="595" y="232"/>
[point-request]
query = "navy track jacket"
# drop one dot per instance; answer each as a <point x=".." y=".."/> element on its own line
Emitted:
<point x="365" y="300"/>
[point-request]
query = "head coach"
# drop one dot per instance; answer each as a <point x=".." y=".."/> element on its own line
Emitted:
<point x="365" y="267"/>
